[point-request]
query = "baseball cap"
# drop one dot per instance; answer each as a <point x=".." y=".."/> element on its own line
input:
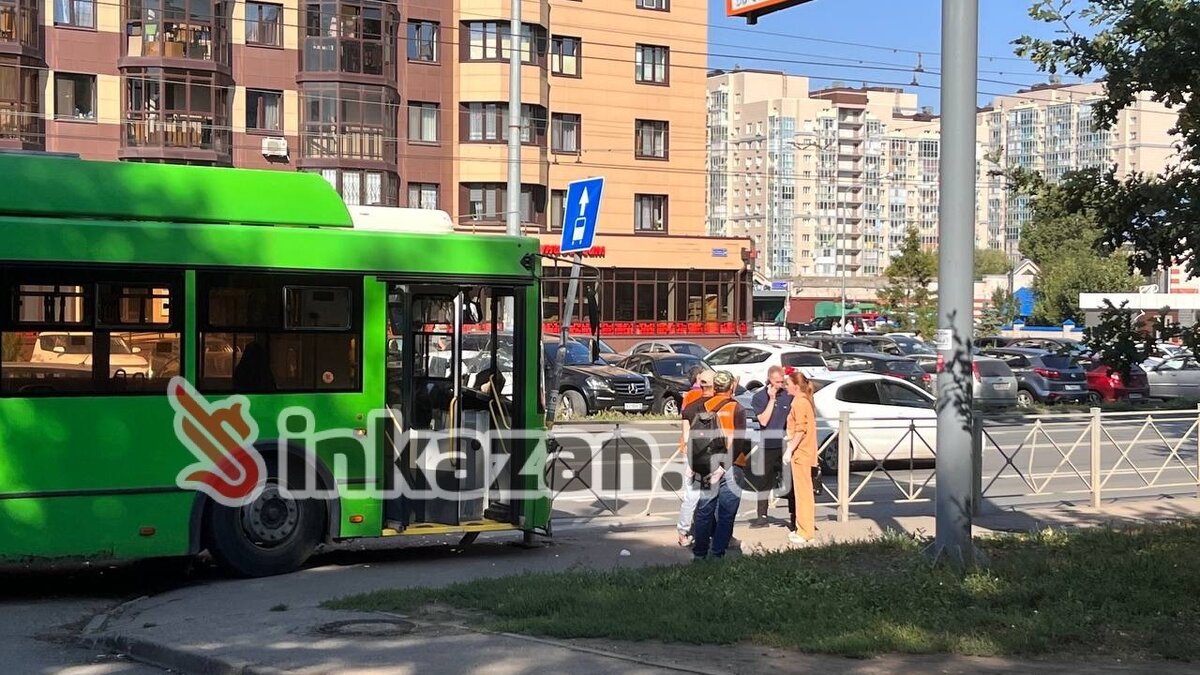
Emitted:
<point x="723" y="380"/>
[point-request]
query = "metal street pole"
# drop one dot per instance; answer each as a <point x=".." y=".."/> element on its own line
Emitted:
<point x="513" y="207"/>
<point x="960" y="50"/>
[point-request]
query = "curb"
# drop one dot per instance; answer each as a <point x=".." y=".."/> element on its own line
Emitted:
<point x="173" y="658"/>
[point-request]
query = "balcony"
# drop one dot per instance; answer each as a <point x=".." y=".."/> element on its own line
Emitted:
<point x="176" y="116"/>
<point x="348" y="126"/>
<point x="176" y="34"/>
<point x="345" y="142"/>
<point x="21" y="126"/>
<point x="20" y="32"/>
<point x="350" y="42"/>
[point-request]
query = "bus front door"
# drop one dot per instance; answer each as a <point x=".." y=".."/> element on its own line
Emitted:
<point x="439" y="463"/>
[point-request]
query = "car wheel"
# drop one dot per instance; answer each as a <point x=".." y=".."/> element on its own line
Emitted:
<point x="669" y="405"/>
<point x="1025" y="399"/>
<point x="1094" y="398"/>
<point x="571" y="405"/>
<point x="828" y="460"/>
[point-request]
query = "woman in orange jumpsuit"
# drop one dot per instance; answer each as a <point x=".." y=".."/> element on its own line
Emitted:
<point x="802" y="445"/>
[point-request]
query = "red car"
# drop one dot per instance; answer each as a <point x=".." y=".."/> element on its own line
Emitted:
<point x="1107" y="386"/>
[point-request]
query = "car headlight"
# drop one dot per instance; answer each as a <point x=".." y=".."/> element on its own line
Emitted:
<point x="599" y="384"/>
<point x="647" y="380"/>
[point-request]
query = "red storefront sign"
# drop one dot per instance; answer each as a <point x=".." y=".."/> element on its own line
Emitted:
<point x="555" y="249"/>
<point x="653" y="328"/>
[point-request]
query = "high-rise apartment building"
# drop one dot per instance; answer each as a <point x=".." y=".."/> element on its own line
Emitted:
<point x="406" y="104"/>
<point x="826" y="182"/>
<point x="1050" y="129"/>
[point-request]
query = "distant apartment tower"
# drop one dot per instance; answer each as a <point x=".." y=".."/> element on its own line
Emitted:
<point x="826" y="182"/>
<point x="1051" y="129"/>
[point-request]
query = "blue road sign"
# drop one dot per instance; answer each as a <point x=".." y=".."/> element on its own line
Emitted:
<point x="581" y="212"/>
<point x="720" y="252"/>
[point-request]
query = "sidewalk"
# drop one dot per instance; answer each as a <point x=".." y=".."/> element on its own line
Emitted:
<point x="276" y="625"/>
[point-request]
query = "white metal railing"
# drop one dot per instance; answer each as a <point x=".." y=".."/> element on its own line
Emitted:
<point x="1043" y="458"/>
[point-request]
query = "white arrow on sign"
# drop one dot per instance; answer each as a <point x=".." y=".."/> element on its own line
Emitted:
<point x="581" y="221"/>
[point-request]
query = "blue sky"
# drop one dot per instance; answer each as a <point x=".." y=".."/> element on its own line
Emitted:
<point x="901" y="27"/>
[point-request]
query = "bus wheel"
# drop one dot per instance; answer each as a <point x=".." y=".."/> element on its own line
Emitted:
<point x="273" y="534"/>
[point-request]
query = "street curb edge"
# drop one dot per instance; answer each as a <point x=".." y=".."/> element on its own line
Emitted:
<point x="173" y="658"/>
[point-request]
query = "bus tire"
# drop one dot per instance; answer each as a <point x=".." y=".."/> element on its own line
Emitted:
<point x="271" y="535"/>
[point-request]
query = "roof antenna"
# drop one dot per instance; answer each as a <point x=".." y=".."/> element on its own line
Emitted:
<point x="920" y="67"/>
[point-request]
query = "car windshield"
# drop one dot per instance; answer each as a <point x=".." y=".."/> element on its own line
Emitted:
<point x="1056" y="362"/>
<point x="801" y="360"/>
<point x="689" y="348"/>
<point x="677" y="366"/>
<point x="605" y="349"/>
<point x="577" y="354"/>
<point x="904" y="366"/>
<point x="912" y="346"/>
<point x="854" y="347"/>
<point x="992" y="368"/>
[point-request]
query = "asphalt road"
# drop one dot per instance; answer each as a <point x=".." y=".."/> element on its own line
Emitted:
<point x="42" y="612"/>
<point x="1024" y="464"/>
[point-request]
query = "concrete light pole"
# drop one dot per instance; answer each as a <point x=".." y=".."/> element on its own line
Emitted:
<point x="513" y="207"/>
<point x="960" y="50"/>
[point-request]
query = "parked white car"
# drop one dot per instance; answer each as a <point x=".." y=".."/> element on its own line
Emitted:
<point x="76" y="349"/>
<point x="749" y="361"/>
<point x="890" y="419"/>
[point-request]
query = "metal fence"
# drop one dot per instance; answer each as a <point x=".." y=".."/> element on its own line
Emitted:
<point x="1069" y="458"/>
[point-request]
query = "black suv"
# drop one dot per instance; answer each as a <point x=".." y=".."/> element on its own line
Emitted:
<point x="588" y="387"/>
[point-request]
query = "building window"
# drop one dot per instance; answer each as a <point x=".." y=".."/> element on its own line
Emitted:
<point x="20" y="22"/>
<point x="75" y="97"/>
<point x="651" y="139"/>
<point x="422" y="195"/>
<point x="422" y="122"/>
<point x="565" y="133"/>
<point x="488" y="123"/>
<point x="660" y="5"/>
<point x="558" y="208"/>
<point x="565" y="56"/>
<point x="20" y="103"/>
<point x="350" y="37"/>
<point x="263" y="110"/>
<point x="365" y="188"/>
<point x="651" y="63"/>
<point x="264" y="25"/>
<point x="178" y="109"/>
<point x="650" y="213"/>
<point x="490" y="41"/>
<point x="77" y="13"/>
<point x="486" y="202"/>
<point x="348" y="122"/>
<point x="423" y="41"/>
<point x="185" y="29"/>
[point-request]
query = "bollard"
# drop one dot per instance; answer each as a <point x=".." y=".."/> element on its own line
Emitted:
<point x="976" y="463"/>
<point x="843" y="467"/>
<point x="1095" y="463"/>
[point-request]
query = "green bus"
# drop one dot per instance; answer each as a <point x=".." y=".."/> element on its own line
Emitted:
<point x="118" y="279"/>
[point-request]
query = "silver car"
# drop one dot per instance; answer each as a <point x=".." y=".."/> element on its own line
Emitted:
<point x="995" y="384"/>
<point x="1177" y="377"/>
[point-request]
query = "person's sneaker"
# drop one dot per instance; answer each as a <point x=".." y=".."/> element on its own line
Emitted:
<point x="794" y="538"/>
<point x="759" y="522"/>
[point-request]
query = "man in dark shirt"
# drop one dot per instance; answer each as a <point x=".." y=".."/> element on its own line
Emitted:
<point x="718" y="505"/>
<point x="770" y="406"/>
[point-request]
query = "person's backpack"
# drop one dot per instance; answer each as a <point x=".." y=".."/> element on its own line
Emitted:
<point x="706" y="440"/>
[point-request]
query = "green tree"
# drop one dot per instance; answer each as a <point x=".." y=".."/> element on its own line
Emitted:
<point x="991" y="261"/>
<point x="909" y="276"/>
<point x="1062" y="238"/>
<point x="1138" y="46"/>
<point x="1000" y="310"/>
<point x="1116" y="340"/>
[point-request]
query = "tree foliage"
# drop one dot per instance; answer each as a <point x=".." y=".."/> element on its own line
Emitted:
<point x="10" y="347"/>
<point x="909" y="276"/>
<point x="1116" y="341"/>
<point x="1139" y="46"/>
<point x="1000" y="310"/>
<point x="991" y="261"/>
<point x="1063" y="239"/>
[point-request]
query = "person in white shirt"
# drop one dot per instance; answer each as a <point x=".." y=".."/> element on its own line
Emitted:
<point x="836" y="328"/>
<point x="850" y="329"/>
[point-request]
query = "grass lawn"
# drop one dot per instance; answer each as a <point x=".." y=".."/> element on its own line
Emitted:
<point x="1132" y="593"/>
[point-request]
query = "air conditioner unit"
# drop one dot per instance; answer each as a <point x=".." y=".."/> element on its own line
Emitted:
<point x="274" y="147"/>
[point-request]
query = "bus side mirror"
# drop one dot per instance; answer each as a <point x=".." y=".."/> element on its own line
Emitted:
<point x="472" y="312"/>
